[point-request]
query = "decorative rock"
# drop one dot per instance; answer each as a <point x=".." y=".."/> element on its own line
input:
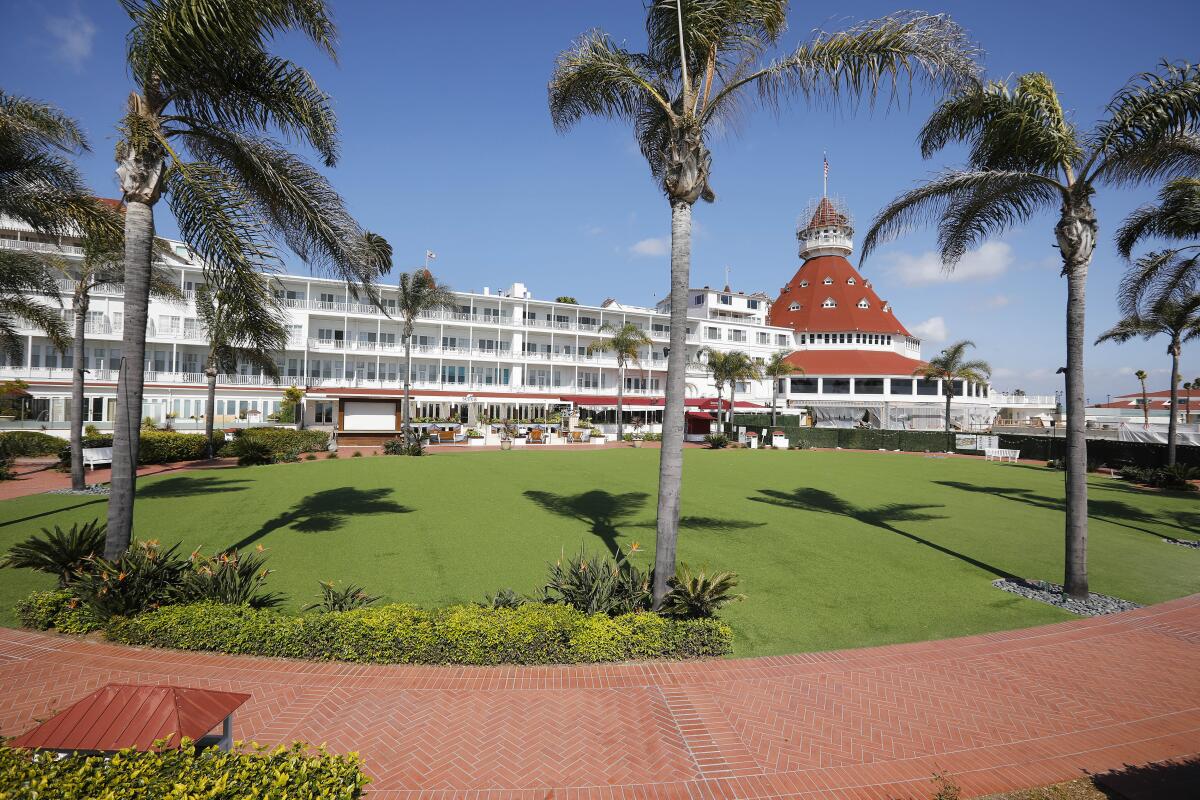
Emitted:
<point x="92" y="490"/>
<point x="1183" y="542"/>
<point x="1051" y="594"/>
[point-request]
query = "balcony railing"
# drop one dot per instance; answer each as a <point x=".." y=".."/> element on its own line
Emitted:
<point x="41" y="247"/>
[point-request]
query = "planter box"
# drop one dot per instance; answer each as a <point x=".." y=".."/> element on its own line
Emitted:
<point x="597" y="440"/>
<point x="506" y="444"/>
<point x="636" y="442"/>
<point x="518" y="442"/>
<point x="779" y="442"/>
<point x="480" y="442"/>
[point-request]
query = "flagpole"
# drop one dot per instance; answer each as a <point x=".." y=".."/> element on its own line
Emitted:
<point x="825" y="181"/>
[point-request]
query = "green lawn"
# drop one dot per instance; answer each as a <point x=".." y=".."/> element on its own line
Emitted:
<point x="834" y="549"/>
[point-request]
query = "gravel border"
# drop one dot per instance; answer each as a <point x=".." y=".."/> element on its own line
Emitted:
<point x="1182" y="542"/>
<point x="1051" y="594"/>
<point x="91" y="491"/>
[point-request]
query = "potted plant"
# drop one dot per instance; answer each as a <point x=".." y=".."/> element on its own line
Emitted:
<point x="475" y="438"/>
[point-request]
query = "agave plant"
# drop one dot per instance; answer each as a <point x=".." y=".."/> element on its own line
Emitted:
<point x="229" y="578"/>
<point x="696" y="594"/>
<point x="347" y="598"/>
<point x="61" y="553"/>
<point x="504" y="598"/>
<point x="598" y="584"/>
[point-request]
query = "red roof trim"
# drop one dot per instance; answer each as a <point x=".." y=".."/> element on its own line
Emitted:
<point x="817" y="363"/>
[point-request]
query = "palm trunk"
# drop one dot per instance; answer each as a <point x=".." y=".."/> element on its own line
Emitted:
<point x="210" y="372"/>
<point x="78" y="480"/>
<point x="729" y="413"/>
<point x="621" y="402"/>
<point x="1076" y="234"/>
<point x="949" y="395"/>
<point x="720" y="405"/>
<point x="1173" y="421"/>
<point x="139" y="242"/>
<point x="405" y="418"/>
<point x="1145" y="407"/>
<point x="774" y="399"/>
<point x="670" y="462"/>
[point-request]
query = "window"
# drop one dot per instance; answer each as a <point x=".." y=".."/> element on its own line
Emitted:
<point x="902" y="386"/>
<point x="726" y="300"/>
<point x="828" y="281"/>
<point x="323" y="412"/>
<point x="927" y="387"/>
<point x="762" y="337"/>
<point x="735" y="335"/>
<point x="781" y="339"/>
<point x="863" y="303"/>
<point x="589" y="380"/>
<point x="712" y="333"/>
<point x="803" y="284"/>
<point x="794" y="307"/>
<point x="803" y="338"/>
<point x="841" y="338"/>
<point x="699" y="299"/>
<point x="752" y="305"/>
<point x="836" y="386"/>
<point x="850" y="280"/>
<point x="868" y="385"/>
<point x="829" y="303"/>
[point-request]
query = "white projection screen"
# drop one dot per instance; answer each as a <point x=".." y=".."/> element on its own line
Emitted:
<point x="370" y="415"/>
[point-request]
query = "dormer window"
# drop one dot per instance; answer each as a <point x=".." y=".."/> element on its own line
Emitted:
<point x="829" y="303"/>
<point x="803" y="284"/>
<point x="887" y="307"/>
<point x="794" y="307"/>
<point x="850" y="281"/>
<point x="863" y="303"/>
<point x="828" y="281"/>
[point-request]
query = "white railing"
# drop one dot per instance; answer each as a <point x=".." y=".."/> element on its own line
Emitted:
<point x="1005" y="399"/>
<point x="41" y="247"/>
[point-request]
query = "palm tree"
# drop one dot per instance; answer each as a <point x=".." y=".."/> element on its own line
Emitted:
<point x="1025" y="157"/>
<point x="1141" y="376"/>
<point x="243" y="324"/>
<point x="741" y="368"/>
<point x="702" y="61"/>
<point x="717" y="364"/>
<point x="419" y="293"/>
<point x="40" y="187"/>
<point x="1175" y="315"/>
<point x="625" y="343"/>
<point x="207" y="95"/>
<point x="102" y="265"/>
<point x="950" y="366"/>
<point x="776" y="369"/>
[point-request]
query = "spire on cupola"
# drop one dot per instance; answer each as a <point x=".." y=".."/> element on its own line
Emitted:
<point x="828" y="231"/>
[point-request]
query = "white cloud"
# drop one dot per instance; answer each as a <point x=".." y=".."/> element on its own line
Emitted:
<point x="932" y="330"/>
<point x="73" y="34"/>
<point x="999" y="301"/>
<point x="991" y="260"/>
<point x="651" y="247"/>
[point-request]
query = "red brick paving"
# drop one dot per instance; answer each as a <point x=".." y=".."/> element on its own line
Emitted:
<point x="997" y="711"/>
<point x="35" y="476"/>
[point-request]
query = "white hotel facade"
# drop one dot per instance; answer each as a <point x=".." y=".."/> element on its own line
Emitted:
<point x="500" y="353"/>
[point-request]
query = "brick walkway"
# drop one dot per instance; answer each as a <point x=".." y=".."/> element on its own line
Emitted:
<point x="997" y="711"/>
<point x="35" y="476"/>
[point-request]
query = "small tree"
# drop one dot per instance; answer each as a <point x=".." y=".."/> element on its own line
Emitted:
<point x="1141" y="376"/>
<point x="625" y="342"/>
<point x="776" y="369"/>
<point x="419" y="293"/>
<point x="571" y="301"/>
<point x="741" y="368"/>
<point x="950" y="366"/>
<point x="292" y="397"/>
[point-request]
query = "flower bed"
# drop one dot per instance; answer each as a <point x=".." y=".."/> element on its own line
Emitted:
<point x="294" y="773"/>
<point x="535" y="633"/>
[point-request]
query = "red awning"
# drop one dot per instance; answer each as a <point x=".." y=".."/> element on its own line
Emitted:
<point x="700" y="415"/>
<point x="124" y="715"/>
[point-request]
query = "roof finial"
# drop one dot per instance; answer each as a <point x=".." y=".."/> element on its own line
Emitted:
<point x="727" y="277"/>
<point x="825" y="184"/>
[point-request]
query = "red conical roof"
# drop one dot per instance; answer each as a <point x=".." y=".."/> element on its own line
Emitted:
<point x="801" y="304"/>
<point x="826" y="215"/>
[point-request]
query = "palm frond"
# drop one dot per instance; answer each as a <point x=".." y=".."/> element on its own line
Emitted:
<point x="1153" y="108"/>
<point x="1155" y="277"/>
<point x="243" y="322"/>
<point x="595" y="77"/>
<point x="869" y="59"/>
<point x="1177" y="216"/>
<point x="419" y="292"/>
<point x="23" y="278"/>
<point x="1024" y="130"/>
<point x="967" y="206"/>
<point x="40" y="125"/>
<point x="623" y="341"/>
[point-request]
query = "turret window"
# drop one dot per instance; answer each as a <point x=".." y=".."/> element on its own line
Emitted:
<point x="794" y="307"/>
<point x="803" y="284"/>
<point x="863" y="303"/>
<point x="850" y="281"/>
<point x="828" y="281"/>
<point x="829" y="303"/>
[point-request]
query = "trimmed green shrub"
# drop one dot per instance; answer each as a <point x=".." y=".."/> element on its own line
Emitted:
<point x="159" y="447"/>
<point x="295" y="773"/>
<point x="58" y="609"/>
<point x="29" y="443"/>
<point x="533" y="633"/>
<point x="250" y="452"/>
<point x="285" y="440"/>
<point x="716" y="441"/>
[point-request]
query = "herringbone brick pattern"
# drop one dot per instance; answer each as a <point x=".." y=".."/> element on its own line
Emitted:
<point x="997" y="711"/>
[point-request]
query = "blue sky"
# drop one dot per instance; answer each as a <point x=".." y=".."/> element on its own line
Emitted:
<point x="447" y="145"/>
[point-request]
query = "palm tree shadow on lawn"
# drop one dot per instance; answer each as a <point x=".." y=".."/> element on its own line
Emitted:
<point x="1115" y="512"/>
<point x="188" y="485"/>
<point x="883" y="517"/>
<point x="327" y="511"/>
<point x="605" y="513"/>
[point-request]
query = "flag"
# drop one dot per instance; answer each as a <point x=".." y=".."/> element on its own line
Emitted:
<point x="826" y="160"/>
<point x="431" y="255"/>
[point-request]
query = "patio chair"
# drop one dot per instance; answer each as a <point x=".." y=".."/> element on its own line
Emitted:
<point x="537" y="436"/>
<point x="576" y="437"/>
<point x="449" y="436"/>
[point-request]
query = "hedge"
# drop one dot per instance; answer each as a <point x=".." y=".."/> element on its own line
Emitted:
<point x="285" y="440"/>
<point x="29" y="443"/>
<point x="55" y="609"/>
<point x="295" y="773"/>
<point x="534" y="633"/>
<point x="159" y="447"/>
